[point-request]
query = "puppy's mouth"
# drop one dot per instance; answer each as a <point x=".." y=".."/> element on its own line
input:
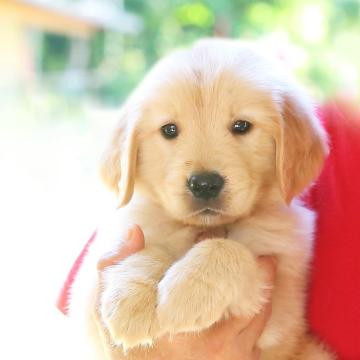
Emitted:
<point x="207" y="217"/>
<point x="206" y="211"/>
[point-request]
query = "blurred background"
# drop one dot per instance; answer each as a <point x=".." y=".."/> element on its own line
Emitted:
<point x="65" y="68"/>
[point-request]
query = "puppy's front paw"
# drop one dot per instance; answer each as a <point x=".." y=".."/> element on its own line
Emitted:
<point x="216" y="276"/>
<point x="129" y="297"/>
<point x="130" y="315"/>
<point x="188" y="302"/>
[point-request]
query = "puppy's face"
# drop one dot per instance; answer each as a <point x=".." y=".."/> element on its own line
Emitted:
<point x="210" y="143"/>
<point x="205" y="151"/>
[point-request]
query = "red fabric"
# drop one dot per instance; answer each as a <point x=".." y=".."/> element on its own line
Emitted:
<point x="334" y="302"/>
<point x="62" y="302"/>
<point x="334" y="299"/>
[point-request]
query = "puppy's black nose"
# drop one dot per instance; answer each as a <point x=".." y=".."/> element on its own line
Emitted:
<point x="206" y="185"/>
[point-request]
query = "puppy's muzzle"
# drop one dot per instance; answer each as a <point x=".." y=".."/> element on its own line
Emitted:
<point x="205" y="185"/>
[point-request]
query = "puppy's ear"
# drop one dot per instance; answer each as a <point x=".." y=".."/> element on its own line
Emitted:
<point x="118" y="164"/>
<point x="301" y="146"/>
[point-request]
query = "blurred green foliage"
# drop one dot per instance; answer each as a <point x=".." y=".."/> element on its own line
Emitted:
<point x="55" y="52"/>
<point x="328" y="31"/>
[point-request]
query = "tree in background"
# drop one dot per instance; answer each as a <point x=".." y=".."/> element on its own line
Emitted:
<point x="319" y="38"/>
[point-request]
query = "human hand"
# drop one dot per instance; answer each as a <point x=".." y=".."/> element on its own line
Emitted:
<point x="134" y="242"/>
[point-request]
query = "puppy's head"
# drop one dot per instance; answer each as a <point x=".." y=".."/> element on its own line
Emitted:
<point x="214" y="132"/>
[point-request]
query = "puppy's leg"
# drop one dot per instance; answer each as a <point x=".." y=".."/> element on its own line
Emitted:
<point x="129" y="297"/>
<point x="214" y="278"/>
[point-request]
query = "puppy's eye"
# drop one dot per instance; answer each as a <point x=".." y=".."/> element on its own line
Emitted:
<point x="241" y="127"/>
<point x="169" y="131"/>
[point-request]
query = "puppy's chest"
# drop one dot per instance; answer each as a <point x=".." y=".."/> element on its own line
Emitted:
<point x="180" y="239"/>
<point x="258" y="240"/>
<point x="285" y="232"/>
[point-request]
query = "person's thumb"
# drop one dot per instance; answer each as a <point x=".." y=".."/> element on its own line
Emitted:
<point x="133" y="243"/>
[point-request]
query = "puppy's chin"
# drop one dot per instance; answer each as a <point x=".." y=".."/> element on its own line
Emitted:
<point x="206" y="216"/>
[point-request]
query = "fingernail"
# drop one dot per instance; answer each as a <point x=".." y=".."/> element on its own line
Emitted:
<point x="272" y="258"/>
<point x="130" y="234"/>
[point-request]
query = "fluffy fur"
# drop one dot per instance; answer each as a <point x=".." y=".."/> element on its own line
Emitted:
<point x="175" y="285"/>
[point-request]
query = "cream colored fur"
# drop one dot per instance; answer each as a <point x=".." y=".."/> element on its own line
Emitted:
<point x="176" y="285"/>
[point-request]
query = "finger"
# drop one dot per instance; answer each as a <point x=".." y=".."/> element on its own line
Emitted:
<point x="229" y="328"/>
<point x="134" y="243"/>
<point x="136" y="239"/>
<point x="255" y="354"/>
<point x="210" y="234"/>
<point x="253" y="331"/>
<point x="268" y="267"/>
<point x="251" y="334"/>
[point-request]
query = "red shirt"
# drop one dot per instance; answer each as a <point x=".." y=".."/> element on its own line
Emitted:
<point x="334" y="298"/>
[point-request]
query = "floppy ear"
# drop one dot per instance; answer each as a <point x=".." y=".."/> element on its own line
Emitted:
<point x="118" y="165"/>
<point x="301" y="146"/>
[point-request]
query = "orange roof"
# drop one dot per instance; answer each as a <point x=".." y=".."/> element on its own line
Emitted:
<point x="80" y="18"/>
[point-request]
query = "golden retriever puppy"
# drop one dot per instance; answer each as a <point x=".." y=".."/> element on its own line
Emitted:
<point x="217" y="138"/>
